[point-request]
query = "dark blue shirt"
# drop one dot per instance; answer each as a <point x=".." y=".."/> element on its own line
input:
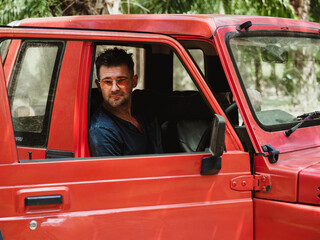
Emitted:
<point x="112" y="136"/>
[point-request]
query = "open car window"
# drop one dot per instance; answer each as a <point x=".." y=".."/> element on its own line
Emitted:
<point x="181" y="78"/>
<point x="165" y="78"/>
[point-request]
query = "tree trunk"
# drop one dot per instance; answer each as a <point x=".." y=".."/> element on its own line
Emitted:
<point x="90" y="7"/>
<point x="274" y="78"/>
<point x="301" y="8"/>
<point x="307" y="95"/>
<point x="258" y="73"/>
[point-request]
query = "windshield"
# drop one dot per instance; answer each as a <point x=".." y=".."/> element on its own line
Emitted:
<point x="281" y="75"/>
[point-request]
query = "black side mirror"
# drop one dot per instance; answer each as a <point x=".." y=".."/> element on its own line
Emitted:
<point x="212" y="165"/>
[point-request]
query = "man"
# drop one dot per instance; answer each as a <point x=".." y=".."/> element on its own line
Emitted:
<point x="127" y="122"/>
<point x="118" y="127"/>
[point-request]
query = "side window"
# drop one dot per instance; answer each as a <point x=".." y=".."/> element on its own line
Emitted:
<point x="4" y="49"/>
<point x="198" y="57"/>
<point x="181" y="78"/>
<point x="170" y="108"/>
<point x="31" y="91"/>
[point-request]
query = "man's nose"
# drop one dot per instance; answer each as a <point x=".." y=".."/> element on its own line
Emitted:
<point x="114" y="87"/>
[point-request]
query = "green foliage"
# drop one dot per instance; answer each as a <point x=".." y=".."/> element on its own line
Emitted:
<point x="314" y="11"/>
<point x="280" y="8"/>
<point x="207" y="7"/>
<point x="158" y="6"/>
<point x="11" y="10"/>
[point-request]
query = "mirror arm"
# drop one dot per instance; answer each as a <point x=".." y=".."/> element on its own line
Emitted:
<point x="210" y="165"/>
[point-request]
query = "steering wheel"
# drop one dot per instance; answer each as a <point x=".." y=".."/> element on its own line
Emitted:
<point x="203" y="143"/>
<point x="231" y="108"/>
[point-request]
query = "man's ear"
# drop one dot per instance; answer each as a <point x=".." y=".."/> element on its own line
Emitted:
<point x="135" y="80"/>
<point x="98" y="85"/>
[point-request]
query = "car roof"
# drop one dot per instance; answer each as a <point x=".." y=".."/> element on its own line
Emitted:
<point x="170" y="24"/>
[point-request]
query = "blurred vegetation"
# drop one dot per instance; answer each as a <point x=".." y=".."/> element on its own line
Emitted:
<point x="11" y="10"/>
<point x="315" y="11"/>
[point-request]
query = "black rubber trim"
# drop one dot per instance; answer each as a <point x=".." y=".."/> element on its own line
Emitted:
<point x="114" y="157"/>
<point x="43" y="200"/>
<point x="271" y="25"/>
<point x="59" y="154"/>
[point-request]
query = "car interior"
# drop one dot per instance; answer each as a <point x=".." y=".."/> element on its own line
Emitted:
<point x="160" y="70"/>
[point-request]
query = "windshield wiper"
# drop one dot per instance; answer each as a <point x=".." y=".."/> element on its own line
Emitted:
<point x="304" y="117"/>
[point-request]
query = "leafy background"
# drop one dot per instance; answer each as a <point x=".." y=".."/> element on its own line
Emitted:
<point x="11" y="10"/>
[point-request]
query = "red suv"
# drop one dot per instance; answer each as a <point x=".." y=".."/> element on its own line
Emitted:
<point x="255" y="176"/>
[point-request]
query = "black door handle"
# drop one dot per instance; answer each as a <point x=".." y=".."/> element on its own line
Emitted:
<point x="43" y="200"/>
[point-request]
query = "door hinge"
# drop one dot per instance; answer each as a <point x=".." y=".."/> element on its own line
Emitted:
<point x="251" y="183"/>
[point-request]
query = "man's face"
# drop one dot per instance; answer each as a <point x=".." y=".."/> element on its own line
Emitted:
<point x="116" y="84"/>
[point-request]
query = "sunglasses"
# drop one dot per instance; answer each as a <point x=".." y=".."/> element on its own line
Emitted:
<point x="122" y="82"/>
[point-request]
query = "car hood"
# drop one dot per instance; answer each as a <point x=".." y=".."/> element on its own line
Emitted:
<point x="309" y="185"/>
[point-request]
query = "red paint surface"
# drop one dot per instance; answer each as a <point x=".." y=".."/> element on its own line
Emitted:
<point x="309" y="185"/>
<point x="145" y="197"/>
<point x="281" y="220"/>
<point x="7" y="142"/>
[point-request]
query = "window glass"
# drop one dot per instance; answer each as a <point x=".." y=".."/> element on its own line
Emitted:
<point x="31" y="91"/>
<point x="281" y="76"/>
<point x="198" y="56"/>
<point x="4" y="45"/>
<point x="181" y="78"/>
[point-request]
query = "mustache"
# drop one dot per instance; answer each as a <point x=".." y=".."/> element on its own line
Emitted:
<point x="116" y="93"/>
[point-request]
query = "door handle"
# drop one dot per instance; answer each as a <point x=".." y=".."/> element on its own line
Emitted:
<point x="43" y="200"/>
<point x="31" y="200"/>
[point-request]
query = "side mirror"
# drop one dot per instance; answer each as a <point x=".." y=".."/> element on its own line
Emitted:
<point x="212" y="165"/>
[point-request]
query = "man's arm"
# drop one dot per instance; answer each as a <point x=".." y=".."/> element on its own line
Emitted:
<point x="104" y="142"/>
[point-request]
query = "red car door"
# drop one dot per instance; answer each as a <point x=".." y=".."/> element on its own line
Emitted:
<point x="127" y="197"/>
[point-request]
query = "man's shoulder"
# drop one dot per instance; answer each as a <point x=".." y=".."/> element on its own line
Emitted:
<point x="102" y="119"/>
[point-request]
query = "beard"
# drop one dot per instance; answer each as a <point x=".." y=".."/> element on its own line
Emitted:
<point x="117" y="100"/>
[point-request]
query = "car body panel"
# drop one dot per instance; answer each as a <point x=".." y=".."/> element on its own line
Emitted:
<point x="7" y="141"/>
<point x="161" y="193"/>
<point x="282" y="220"/>
<point x="309" y="185"/>
<point x="286" y="173"/>
<point x="173" y="24"/>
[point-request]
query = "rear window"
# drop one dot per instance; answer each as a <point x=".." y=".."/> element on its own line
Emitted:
<point x="31" y="91"/>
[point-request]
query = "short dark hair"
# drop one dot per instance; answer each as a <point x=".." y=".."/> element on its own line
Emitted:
<point x="114" y="57"/>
